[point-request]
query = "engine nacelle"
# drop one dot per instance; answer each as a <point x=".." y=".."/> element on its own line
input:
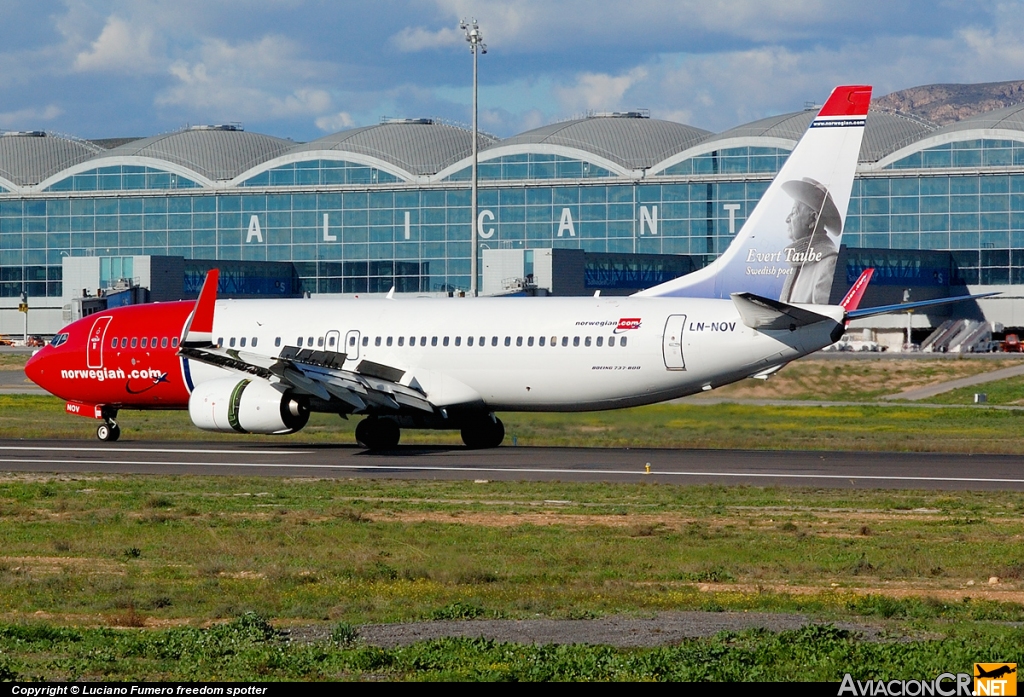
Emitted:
<point x="231" y="405"/>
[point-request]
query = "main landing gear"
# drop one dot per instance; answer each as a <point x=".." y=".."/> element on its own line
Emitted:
<point x="486" y="431"/>
<point x="478" y="432"/>
<point x="108" y="431"/>
<point x="377" y="433"/>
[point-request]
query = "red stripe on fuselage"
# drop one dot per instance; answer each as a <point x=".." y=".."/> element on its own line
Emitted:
<point x="130" y="377"/>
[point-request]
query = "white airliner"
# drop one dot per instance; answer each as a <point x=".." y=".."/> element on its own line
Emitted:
<point x="261" y="366"/>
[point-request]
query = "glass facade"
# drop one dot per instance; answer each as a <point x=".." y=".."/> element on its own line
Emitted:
<point x="966" y="153"/>
<point x="745" y="160"/>
<point x="527" y="166"/>
<point x="351" y="228"/>
<point x="320" y="173"/>
<point x="123" y="178"/>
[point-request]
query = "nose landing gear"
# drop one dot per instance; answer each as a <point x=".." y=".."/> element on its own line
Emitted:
<point x="108" y="432"/>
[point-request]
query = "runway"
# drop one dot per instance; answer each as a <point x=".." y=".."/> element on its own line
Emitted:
<point x="758" y="468"/>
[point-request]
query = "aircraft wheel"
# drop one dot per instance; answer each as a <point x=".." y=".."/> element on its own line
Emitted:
<point x="487" y="432"/>
<point x="378" y="434"/>
<point x="108" y="433"/>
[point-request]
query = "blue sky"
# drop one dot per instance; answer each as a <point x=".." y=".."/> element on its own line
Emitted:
<point x="301" y="69"/>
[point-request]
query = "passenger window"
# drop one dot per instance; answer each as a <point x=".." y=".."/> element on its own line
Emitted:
<point x="113" y="343"/>
<point x="483" y="340"/>
<point x="220" y="341"/>
<point x="469" y="341"/>
<point x="540" y="341"/>
<point x="423" y="341"/>
<point x="153" y="342"/>
<point x="508" y="341"/>
<point x="124" y="342"/>
<point x="401" y="341"/>
<point x="298" y="342"/>
<point x="174" y="342"/>
<point x="445" y="341"/>
<point x="494" y="341"/>
<point x="622" y="341"/>
<point x="254" y="341"/>
<point x="586" y="342"/>
<point x="241" y="342"/>
<point x="135" y="342"/>
<point x="519" y="341"/>
<point x="389" y="340"/>
<point x="611" y="341"/>
<point x="458" y="341"/>
<point x="309" y="342"/>
<point x="565" y="341"/>
<point x="145" y="341"/>
<point x="529" y="341"/>
<point x="376" y="341"/>
<point x="330" y="342"/>
<point x="600" y="341"/>
<point x="163" y="342"/>
<point x="277" y="341"/>
<point x="433" y="341"/>
<point x="320" y="341"/>
<point x="231" y="342"/>
<point x="366" y="341"/>
<point x="575" y="341"/>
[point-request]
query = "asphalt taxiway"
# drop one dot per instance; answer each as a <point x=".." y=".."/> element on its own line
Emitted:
<point x="677" y="466"/>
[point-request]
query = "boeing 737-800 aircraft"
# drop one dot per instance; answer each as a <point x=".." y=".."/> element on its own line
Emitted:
<point x="261" y="366"/>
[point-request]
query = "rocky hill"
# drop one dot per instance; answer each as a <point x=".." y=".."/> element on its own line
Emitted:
<point x="942" y="104"/>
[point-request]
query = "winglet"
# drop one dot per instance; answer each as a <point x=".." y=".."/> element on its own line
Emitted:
<point x="199" y="329"/>
<point x="852" y="299"/>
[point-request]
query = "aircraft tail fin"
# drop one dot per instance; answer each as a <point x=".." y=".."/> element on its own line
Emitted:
<point x="788" y="246"/>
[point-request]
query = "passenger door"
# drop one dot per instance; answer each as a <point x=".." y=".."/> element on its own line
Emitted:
<point x="672" y="342"/>
<point x="351" y="348"/>
<point x="94" y="349"/>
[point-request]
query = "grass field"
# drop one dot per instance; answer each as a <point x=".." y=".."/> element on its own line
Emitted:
<point x="860" y="427"/>
<point x="174" y="554"/>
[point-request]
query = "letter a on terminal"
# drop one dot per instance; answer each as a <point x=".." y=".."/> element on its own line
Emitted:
<point x="254" y="230"/>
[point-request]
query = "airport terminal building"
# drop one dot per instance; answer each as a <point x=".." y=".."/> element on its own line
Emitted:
<point x="388" y="205"/>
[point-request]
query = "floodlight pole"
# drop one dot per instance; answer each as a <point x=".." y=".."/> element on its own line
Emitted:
<point x="476" y="40"/>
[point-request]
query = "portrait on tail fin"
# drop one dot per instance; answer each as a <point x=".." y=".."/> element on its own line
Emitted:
<point x="811" y="252"/>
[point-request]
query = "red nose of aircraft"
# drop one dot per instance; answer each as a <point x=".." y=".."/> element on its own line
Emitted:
<point x="44" y="367"/>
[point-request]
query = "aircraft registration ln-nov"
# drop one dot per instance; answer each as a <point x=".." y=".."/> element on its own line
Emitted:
<point x="261" y="366"/>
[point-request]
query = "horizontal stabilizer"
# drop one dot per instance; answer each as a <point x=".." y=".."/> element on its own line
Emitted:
<point x="906" y="307"/>
<point x="766" y="314"/>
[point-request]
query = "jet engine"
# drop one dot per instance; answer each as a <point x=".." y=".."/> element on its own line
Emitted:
<point x="231" y="405"/>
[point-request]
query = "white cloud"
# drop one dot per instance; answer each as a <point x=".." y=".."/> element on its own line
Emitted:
<point x="28" y="119"/>
<point x="598" y="91"/>
<point x="120" y="47"/>
<point x="335" y="122"/>
<point x="412" y="39"/>
<point x="246" y="80"/>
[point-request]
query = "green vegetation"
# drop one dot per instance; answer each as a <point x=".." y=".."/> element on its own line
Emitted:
<point x="248" y="648"/>
<point x="868" y="427"/>
<point x="144" y="550"/>
<point x="1009" y="391"/>
<point x="161" y="578"/>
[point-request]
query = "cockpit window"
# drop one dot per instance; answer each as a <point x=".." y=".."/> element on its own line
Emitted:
<point x="59" y="339"/>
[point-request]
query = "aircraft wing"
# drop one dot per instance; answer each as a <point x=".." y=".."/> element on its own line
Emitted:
<point x="319" y="373"/>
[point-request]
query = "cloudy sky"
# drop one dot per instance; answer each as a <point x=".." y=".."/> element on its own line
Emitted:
<point x="303" y="68"/>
